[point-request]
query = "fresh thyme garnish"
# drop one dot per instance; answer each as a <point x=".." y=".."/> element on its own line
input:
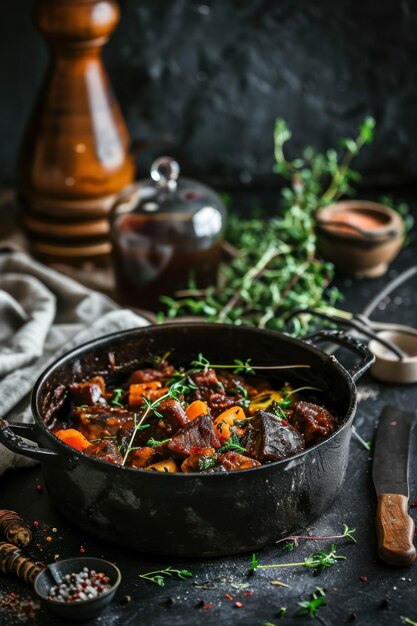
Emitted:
<point x="233" y="444"/>
<point x="317" y="561"/>
<point x="306" y="388"/>
<point x="158" y="576"/>
<point x="310" y="607"/>
<point x="407" y="620"/>
<point x="238" y="366"/>
<point x="207" y="462"/>
<point x="348" y="533"/>
<point x="172" y="393"/>
<point x="82" y="406"/>
<point x="154" y="443"/>
<point x="117" y="394"/>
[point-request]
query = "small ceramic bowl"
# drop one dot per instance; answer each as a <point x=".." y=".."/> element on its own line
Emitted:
<point x="387" y="366"/>
<point x="86" y="609"/>
<point x="361" y="238"/>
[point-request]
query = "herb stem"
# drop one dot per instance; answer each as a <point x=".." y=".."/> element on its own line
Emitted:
<point x="254" y="272"/>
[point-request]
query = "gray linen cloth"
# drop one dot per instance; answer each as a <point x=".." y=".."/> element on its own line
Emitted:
<point x="43" y="314"/>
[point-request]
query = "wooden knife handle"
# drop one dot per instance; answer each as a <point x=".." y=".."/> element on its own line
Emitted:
<point x="395" y="530"/>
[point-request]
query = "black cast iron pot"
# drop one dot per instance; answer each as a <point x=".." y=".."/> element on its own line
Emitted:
<point x="195" y="514"/>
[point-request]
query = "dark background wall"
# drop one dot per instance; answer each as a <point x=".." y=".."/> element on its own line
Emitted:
<point x="209" y="78"/>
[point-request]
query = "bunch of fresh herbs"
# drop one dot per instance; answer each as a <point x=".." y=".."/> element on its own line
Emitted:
<point x="273" y="266"/>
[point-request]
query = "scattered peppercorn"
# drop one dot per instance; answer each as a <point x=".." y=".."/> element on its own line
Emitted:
<point x="39" y="488"/>
<point x="54" y="530"/>
<point x="48" y="538"/>
<point x="126" y="600"/>
<point x="363" y="579"/>
<point x="82" y="550"/>
<point x="170" y="601"/>
<point x="200" y="604"/>
<point x="352" y="617"/>
<point x="36" y="524"/>
<point x="414" y="503"/>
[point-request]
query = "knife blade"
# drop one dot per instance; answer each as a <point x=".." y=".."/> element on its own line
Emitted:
<point x="395" y="528"/>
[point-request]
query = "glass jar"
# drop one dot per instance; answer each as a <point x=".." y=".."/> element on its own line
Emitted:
<point x="167" y="233"/>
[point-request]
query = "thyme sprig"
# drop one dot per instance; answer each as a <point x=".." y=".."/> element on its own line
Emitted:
<point x="348" y="533"/>
<point x="310" y="607"/>
<point x="172" y="393"/>
<point x="158" y="576"/>
<point x="238" y="366"/>
<point x="117" y="394"/>
<point x="317" y="561"/>
<point x="154" y="443"/>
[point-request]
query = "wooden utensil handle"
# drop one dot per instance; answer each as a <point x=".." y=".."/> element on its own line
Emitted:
<point x="395" y="530"/>
<point x="13" y="562"/>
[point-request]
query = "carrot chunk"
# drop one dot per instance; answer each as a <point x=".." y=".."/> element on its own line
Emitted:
<point x="73" y="438"/>
<point x="196" y="408"/>
<point x="139" y="391"/>
<point x="224" y="422"/>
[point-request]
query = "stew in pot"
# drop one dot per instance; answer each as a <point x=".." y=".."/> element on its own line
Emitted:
<point x="206" y="418"/>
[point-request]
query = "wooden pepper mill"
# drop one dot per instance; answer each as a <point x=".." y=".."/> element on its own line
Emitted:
<point x="74" y="159"/>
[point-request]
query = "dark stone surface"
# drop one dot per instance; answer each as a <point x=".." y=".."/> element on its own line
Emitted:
<point x="209" y="78"/>
<point x="213" y="578"/>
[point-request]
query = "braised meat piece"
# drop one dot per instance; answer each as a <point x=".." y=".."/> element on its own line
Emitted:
<point x="142" y="457"/>
<point x="53" y="402"/>
<point x="102" y="421"/>
<point x="173" y="413"/>
<point x="148" y="374"/>
<point x="269" y="438"/>
<point x="219" y="402"/>
<point x="312" y="420"/>
<point x="200" y="461"/>
<point x="89" y="392"/>
<point x="106" y="450"/>
<point x="207" y="382"/>
<point x="235" y="461"/>
<point x="197" y="434"/>
<point x="212" y="390"/>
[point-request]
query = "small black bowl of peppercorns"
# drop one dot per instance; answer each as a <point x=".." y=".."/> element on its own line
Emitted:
<point x="79" y="588"/>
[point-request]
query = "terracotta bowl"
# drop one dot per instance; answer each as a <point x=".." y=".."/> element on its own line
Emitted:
<point x="359" y="237"/>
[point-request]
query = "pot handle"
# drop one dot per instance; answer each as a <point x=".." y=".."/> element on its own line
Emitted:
<point x="348" y="342"/>
<point x="11" y="440"/>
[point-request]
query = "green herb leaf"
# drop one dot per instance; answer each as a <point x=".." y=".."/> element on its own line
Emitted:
<point x="207" y="462"/>
<point x="158" y="577"/>
<point x="117" y="394"/>
<point x="233" y="444"/>
<point x="154" y="443"/>
<point x="254" y="564"/>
